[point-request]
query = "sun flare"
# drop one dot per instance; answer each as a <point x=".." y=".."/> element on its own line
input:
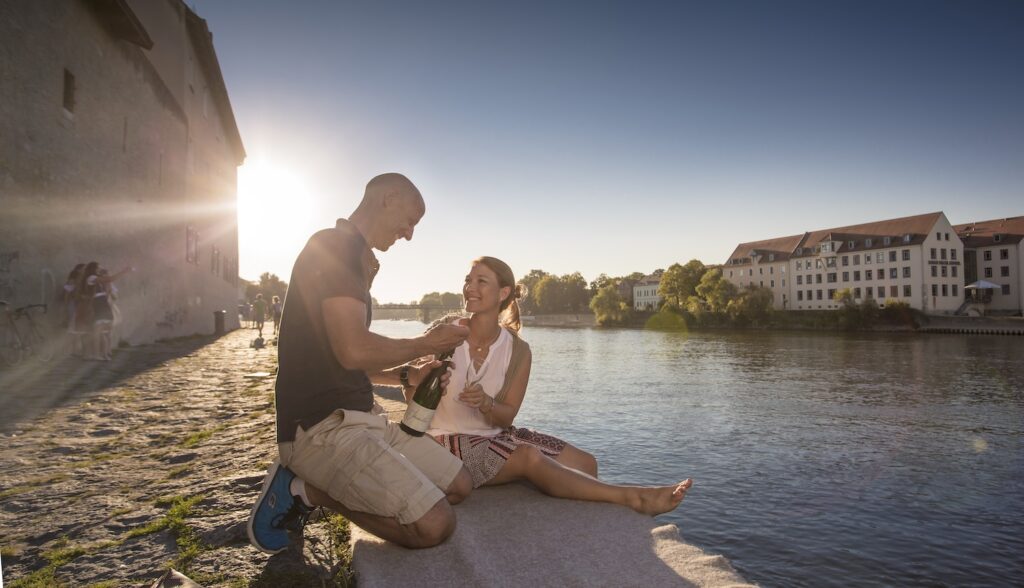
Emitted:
<point x="274" y="210"/>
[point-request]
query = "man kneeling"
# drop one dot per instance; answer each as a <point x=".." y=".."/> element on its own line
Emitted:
<point x="395" y="486"/>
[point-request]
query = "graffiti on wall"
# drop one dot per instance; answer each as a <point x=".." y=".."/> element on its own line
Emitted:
<point x="7" y="283"/>
<point x="174" y="318"/>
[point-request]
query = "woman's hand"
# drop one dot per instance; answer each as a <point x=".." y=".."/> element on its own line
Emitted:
<point x="475" y="397"/>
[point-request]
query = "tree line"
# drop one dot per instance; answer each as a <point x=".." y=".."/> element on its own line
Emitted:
<point x="692" y="295"/>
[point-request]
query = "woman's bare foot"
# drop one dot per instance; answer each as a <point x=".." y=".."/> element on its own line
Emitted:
<point x="660" y="499"/>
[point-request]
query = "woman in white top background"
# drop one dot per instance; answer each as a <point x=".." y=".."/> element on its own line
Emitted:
<point x="474" y="419"/>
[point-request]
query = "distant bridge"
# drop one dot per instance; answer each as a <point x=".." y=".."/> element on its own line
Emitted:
<point x="427" y="312"/>
<point x="412" y="307"/>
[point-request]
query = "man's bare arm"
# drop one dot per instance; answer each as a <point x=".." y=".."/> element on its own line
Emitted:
<point x="357" y="348"/>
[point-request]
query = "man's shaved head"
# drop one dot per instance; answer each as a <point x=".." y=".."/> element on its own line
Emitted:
<point x="390" y="209"/>
<point x="394" y="185"/>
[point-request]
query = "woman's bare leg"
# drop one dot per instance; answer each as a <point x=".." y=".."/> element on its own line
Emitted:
<point x="555" y="479"/>
<point x="577" y="459"/>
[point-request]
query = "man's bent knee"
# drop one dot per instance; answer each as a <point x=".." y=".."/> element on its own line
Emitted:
<point x="460" y="487"/>
<point x="432" y="528"/>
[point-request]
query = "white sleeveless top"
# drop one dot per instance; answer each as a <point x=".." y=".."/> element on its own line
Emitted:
<point x="453" y="416"/>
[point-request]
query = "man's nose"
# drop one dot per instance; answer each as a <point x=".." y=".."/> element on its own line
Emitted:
<point x="408" y="233"/>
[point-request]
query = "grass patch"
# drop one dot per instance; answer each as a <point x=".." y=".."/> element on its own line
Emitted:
<point x="33" y="484"/>
<point x="61" y="553"/>
<point x="200" y="436"/>
<point x="93" y="460"/>
<point x="339" y="533"/>
<point x="121" y="511"/>
<point x="10" y="551"/>
<point x="43" y="578"/>
<point x="181" y="507"/>
<point x="178" y="471"/>
<point x="188" y="541"/>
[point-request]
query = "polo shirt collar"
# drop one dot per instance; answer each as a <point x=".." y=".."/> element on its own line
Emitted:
<point x="370" y="263"/>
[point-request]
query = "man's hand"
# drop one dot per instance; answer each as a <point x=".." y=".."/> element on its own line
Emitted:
<point x="445" y="337"/>
<point x="418" y="374"/>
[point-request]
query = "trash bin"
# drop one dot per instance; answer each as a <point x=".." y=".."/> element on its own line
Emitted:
<point x="218" y="322"/>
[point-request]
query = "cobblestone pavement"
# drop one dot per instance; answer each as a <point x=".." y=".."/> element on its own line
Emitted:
<point x="152" y="460"/>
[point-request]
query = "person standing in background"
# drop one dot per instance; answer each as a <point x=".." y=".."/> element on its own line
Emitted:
<point x="259" y="312"/>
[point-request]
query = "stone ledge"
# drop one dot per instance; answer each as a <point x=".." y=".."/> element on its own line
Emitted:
<point x="514" y="535"/>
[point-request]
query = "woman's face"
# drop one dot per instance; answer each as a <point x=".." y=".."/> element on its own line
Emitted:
<point x="482" y="291"/>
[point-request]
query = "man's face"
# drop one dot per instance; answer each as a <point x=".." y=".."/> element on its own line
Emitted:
<point x="404" y="213"/>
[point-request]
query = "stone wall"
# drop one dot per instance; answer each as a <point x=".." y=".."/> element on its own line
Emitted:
<point x="121" y="177"/>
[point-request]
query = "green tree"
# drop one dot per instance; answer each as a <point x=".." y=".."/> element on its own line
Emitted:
<point x="451" y="300"/>
<point x="679" y="282"/>
<point x="530" y="280"/>
<point x="600" y="282"/>
<point x="609" y="308"/>
<point x="574" y="292"/>
<point x="754" y="304"/>
<point x="715" y="290"/>
<point x="548" y="296"/>
<point x="269" y="285"/>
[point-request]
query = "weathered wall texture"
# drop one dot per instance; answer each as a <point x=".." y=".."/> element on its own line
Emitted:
<point x="139" y="163"/>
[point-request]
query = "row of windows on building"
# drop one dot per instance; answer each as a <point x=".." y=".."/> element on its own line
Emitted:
<point x="855" y="259"/>
<point x="869" y="292"/>
<point x="869" y="242"/>
<point x="760" y="271"/>
<point x="942" y="252"/>
<point x="944" y="290"/>
<point x="226" y="268"/>
<point x="1003" y="254"/>
<point x="879" y="274"/>
<point x="761" y="283"/>
<point x="1004" y="271"/>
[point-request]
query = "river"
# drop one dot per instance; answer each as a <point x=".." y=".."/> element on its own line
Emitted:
<point x="818" y="459"/>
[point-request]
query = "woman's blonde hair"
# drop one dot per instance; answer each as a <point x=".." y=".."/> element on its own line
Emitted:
<point x="509" y="309"/>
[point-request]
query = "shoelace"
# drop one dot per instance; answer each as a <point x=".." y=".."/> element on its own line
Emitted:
<point x="294" y="519"/>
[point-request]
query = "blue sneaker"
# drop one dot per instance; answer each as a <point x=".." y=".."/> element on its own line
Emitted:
<point x="276" y="512"/>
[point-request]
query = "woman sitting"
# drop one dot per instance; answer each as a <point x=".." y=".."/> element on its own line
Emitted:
<point x="490" y="371"/>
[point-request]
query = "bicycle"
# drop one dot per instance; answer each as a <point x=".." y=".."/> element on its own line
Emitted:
<point x="16" y="343"/>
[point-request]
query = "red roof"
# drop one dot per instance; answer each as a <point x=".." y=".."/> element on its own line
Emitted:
<point x="917" y="226"/>
<point x="984" y="233"/>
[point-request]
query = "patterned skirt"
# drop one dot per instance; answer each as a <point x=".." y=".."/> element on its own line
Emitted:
<point x="484" y="456"/>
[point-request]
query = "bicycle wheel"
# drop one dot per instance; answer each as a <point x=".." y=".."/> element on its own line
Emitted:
<point x="39" y="345"/>
<point x="10" y="346"/>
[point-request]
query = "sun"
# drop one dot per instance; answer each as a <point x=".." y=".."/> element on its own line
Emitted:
<point x="274" y="216"/>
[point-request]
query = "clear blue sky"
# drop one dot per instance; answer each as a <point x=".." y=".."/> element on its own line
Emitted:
<point x="619" y="137"/>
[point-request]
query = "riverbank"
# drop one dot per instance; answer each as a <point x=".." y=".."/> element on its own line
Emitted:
<point x="153" y="461"/>
<point x="823" y="321"/>
<point x="150" y="461"/>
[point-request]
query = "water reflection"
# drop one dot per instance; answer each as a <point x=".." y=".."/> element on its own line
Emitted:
<point x="819" y="459"/>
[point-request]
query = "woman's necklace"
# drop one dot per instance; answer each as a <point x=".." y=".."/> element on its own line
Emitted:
<point x="479" y="352"/>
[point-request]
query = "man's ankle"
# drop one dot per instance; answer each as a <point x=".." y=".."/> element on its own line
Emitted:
<point x="298" y="490"/>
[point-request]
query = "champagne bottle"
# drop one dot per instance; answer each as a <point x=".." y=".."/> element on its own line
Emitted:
<point x="424" y="402"/>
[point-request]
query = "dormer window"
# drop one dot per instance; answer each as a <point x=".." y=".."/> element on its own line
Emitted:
<point x="886" y="240"/>
<point x="867" y="242"/>
<point x="771" y="257"/>
<point x="997" y="237"/>
<point x="851" y="244"/>
<point x="826" y="247"/>
<point x="906" y="238"/>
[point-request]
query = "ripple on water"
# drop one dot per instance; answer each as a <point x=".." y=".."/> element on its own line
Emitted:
<point x="818" y="459"/>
